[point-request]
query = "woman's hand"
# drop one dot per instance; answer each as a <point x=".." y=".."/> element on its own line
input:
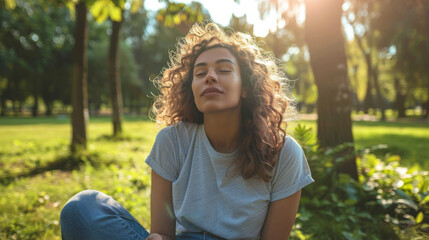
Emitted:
<point x="156" y="236"/>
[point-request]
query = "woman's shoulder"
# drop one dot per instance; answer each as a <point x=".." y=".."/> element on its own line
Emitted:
<point x="179" y="131"/>
<point x="182" y="127"/>
<point x="291" y="145"/>
<point x="291" y="152"/>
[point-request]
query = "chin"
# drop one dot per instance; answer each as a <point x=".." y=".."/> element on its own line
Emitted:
<point x="216" y="108"/>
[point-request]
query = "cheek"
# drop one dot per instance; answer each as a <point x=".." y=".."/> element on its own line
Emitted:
<point x="194" y="87"/>
<point x="236" y="86"/>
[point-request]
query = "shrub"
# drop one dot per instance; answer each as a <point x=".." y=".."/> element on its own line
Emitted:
<point x="387" y="202"/>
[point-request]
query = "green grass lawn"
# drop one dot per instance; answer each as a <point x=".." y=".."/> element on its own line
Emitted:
<point x="408" y="140"/>
<point x="33" y="190"/>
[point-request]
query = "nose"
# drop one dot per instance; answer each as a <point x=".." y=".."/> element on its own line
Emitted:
<point x="211" y="77"/>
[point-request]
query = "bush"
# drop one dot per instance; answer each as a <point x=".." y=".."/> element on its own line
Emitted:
<point x="387" y="202"/>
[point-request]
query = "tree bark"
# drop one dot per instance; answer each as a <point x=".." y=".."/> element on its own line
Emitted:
<point x="425" y="108"/>
<point x="114" y="76"/>
<point x="79" y="85"/>
<point x="324" y="37"/>
<point x="49" y="107"/>
<point x="3" y="105"/>
<point x="368" y="101"/>
<point x="380" y="100"/>
<point x="400" y="98"/>
<point x="35" y="108"/>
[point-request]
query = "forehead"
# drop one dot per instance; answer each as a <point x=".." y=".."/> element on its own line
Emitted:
<point x="214" y="54"/>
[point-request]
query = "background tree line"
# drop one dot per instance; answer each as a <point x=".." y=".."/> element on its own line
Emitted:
<point x="344" y="55"/>
<point x="387" y="56"/>
<point x="36" y="53"/>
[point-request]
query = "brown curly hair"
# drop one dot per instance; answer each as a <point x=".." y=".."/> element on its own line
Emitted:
<point x="264" y="109"/>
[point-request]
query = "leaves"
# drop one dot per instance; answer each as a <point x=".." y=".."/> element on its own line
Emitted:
<point x="102" y="9"/>
<point x="10" y="4"/>
<point x="180" y="15"/>
<point x="385" y="197"/>
<point x="135" y="5"/>
<point x="419" y="217"/>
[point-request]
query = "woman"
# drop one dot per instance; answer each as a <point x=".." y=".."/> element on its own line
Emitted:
<point x="224" y="167"/>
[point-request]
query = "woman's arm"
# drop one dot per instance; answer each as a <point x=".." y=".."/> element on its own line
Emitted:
<point x="280" y="217"/>
<point x="161" y="209"/>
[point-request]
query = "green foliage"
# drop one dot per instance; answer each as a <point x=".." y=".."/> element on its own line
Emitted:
<point x="101" y="10"/>
<point x="176" y="13"/>
<point x="9" y="4"/>
<point x="388" y="201"/>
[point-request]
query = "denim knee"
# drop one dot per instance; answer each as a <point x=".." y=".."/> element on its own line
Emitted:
<point x="81" y="206"/>
<point x="93" y="215"/>
<point x="80" y="213"/>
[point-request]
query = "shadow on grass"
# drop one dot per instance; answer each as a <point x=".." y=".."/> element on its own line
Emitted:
<point x="120" y="138"/>
<point x="64" y="163"/>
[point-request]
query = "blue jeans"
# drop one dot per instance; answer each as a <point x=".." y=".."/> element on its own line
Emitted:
<point x="93" y="215"/>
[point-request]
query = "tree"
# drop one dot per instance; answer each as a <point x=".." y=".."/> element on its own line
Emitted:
<point x="240" y="24"/>
<point x="114" y="9"/>
<point x="360" y="16"/>
<point x="35" y="47"/>
<point x="323" y="34"/>
<point x="286" y="40"/>
<point x="404" y="30"/>
<point x="80" y="113"/>
<point x="115" y="83"/>
<point x="287" y="32"/>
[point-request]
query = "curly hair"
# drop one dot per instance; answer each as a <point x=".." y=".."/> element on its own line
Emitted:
<point x="264" y="110"/>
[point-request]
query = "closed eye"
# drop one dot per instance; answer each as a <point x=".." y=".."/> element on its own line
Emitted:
<point x="200" y="74"/>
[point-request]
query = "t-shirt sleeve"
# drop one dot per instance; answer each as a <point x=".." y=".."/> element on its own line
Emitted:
<point x="163" y="158"/>
<point x="292" y="172"/>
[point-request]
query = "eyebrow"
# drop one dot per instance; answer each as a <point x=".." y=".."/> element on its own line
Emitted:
<point x="217" y="62"/>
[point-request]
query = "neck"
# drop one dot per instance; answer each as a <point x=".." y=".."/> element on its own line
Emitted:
<point x="223" y="130"/>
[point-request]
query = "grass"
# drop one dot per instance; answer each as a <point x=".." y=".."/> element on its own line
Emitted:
<point x="408" y="140"/>
<point x="36" y="182"/>
<point x="34" y="190"/>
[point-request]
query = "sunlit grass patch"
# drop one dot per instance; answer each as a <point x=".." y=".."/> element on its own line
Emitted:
<point x="408" y="140"/>
<point x="38" y="175"/>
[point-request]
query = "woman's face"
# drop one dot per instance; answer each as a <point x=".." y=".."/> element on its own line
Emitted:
<point x="216" y="81"/>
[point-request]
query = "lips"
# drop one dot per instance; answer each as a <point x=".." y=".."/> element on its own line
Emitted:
<point x="210" y="90"/>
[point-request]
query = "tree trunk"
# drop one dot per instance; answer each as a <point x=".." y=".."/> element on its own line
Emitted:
<point x="79" y="85"/>
<point x="368" y="100"/>
<point x="115" y="82"/>
<point x="49" y="106"/>
<point x="400" y="98"/>
<point x="425" y="112"/>
<point x="3" y="105"/>
<point x="20" y="107"/>
<point x="380" y="100"/>
<point x="324" y="37"/>
<point x="35" y="108"/>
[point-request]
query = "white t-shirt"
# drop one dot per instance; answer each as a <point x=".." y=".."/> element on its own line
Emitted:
<point x="205" y="198"/>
